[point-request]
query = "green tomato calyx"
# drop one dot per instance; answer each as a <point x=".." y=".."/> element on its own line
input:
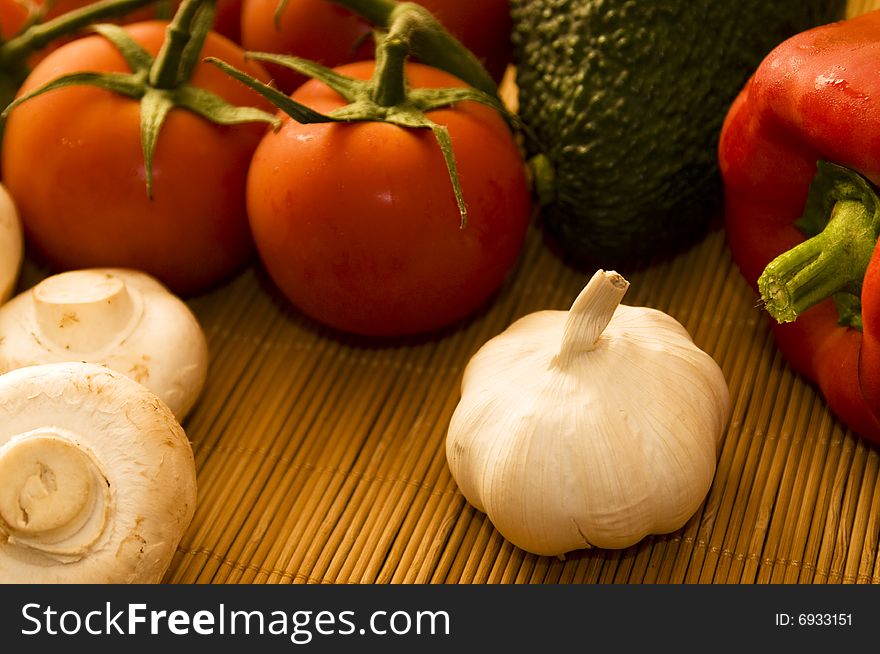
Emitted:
<point x="386" y="97"/>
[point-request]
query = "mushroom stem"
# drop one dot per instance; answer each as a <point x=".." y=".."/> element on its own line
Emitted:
<point x="51" y="496"/>
<point x="590" y="314"/>
<point x="83" y="310"/>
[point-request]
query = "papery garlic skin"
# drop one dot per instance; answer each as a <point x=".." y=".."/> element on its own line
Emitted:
<point x="600" y="448"/>
<point x="11" y="245"/>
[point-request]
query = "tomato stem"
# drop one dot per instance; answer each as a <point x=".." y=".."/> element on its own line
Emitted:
<point x="430" y="43"/>
<point x="14" y="53"/>
<point x="389" y="77"/>
<point x="386" y="97"/>
<point x="377" y="12"/>
<point x="166" y="71"/>
<point x="159" y="84"/>
<point x="39" y="35"/>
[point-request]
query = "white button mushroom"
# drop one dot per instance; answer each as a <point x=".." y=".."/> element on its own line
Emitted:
<point x="11" y="245"/>
<point x="123" y="319"/>
<point x="97" y="477"/>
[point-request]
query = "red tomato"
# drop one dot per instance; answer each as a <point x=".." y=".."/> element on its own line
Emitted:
<point x="357" y="222"/>
<point x="227" y="19"/>
<point x="13" y="15"/>
<point x="325" y="32"/>
<point x="483" y="26"/>
<point x="313" y="29"/>
<point x="72" y="161"/>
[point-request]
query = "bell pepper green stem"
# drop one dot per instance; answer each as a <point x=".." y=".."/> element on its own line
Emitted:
<point x="835" y="260"/>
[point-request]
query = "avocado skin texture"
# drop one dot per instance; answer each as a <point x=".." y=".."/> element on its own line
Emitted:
<point x="626" y="99"/>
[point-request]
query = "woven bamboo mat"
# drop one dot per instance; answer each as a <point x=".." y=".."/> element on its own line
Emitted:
<point x="321" y="457"/>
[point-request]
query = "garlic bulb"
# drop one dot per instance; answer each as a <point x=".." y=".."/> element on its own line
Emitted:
<point x="123" y="319"/>
<point x="97" y="478"/>
<point x="11" y="245"/>
<point x="593" y="427"/>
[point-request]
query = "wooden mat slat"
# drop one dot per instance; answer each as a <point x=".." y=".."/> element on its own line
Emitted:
<point x="295" y="467"/>
<point x="234" y="469"/>
<point x="786" y="506"/>
<point x="397" y="464"/>
<point x="750" y="480"/>
<point x="421" y="426"/>
<point x="277" y="386"/>
<point x="859" y="493"/>
<point x="323" y="500"/>
<point x="869" y="514"/>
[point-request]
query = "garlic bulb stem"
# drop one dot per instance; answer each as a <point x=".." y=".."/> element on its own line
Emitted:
<point x="589" y="315"/>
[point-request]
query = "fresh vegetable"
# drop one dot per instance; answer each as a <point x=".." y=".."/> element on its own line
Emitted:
<point x="49" y="9"/>
<point x="592" y="427"/>
<point x="14" y="15"/>
<point x="97" y="478"/>
<point x="799" y="156"/>
<point x="122" y="319"/>
<point x="329" y="33"/>
<point x="227" y="19"/>
<point x="317" y="30"/>
<point x="143" y="152"/>
<point x="390" y="205"/>
<point x="11" y="245"/>
<point x="624" y="102"/>
<point x="27" y="34"/>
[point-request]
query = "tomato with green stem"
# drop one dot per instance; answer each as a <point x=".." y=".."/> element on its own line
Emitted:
<point x="120" y="153"/>
<point x="357" y="222"/>
<point x="393" y="199"/>
<point x="330" y="33"/>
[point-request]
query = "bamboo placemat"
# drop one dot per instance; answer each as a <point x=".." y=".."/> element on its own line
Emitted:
<point x="321" y="457"/>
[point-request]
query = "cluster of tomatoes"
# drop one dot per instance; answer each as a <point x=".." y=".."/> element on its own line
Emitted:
<point x="356" y="223"/>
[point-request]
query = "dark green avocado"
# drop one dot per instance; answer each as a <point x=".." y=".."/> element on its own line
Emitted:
<point x="624" y="101"/>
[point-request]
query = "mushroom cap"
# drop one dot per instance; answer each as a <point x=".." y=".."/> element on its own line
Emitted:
<point x="123" y="319"/>
<point x="97" y="477"/>
<point x="11" y="245"/>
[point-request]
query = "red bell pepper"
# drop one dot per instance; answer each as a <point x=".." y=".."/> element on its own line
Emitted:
<point x="799" y="154"/>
